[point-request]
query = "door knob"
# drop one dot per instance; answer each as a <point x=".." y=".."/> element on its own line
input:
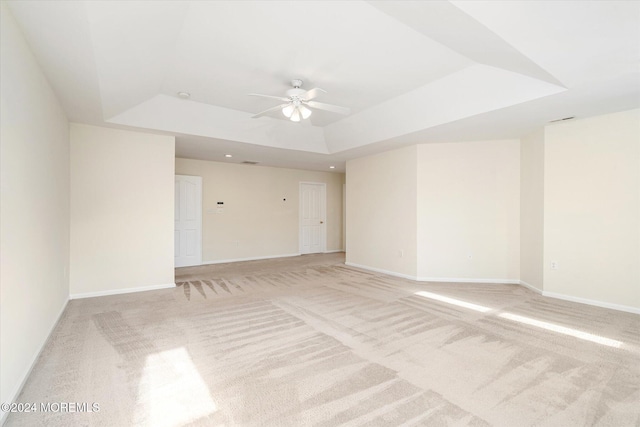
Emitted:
<point x="321" y="222"/>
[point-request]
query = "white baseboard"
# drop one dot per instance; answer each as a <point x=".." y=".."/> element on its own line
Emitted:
<point x="434" y="279"/>
<point x="530" y="286"/>
<point x="122" y="291"/>
<point x="16" y="392"/>
<point x="596" y="303"/>
<point x="619" y="307"/>
<point x="380" y="270"/>
<point x="468" y="280"/>
<point x="258" y="258"/>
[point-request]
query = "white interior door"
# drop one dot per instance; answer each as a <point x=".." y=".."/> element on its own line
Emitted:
<point x="312" y="217"/>
<point x="188" y="221"/>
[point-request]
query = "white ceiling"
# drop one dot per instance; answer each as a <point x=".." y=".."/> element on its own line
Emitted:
<point x="410" y="71"/>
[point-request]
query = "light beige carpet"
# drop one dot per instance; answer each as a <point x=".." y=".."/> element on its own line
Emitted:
<point x="308" y="341"/>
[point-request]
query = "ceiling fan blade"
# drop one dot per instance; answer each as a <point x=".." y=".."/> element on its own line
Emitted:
<point x="276" y="108"/>
<point x="310" y="94"/>
<point x="270" y="96"/>
<point x="329" y="107"/>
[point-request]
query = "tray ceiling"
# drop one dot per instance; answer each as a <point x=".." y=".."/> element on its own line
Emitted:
<point x="410" y="71"/>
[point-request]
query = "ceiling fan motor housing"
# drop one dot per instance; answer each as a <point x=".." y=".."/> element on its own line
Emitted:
<point x="295" y="93"/>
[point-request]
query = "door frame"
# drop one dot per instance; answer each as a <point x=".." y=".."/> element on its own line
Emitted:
<point x="323" y="214"/>
<point x="199" y="220"/>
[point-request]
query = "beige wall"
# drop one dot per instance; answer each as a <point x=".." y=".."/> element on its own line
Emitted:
<point x="256" y="221"/>
<point x="532" y="209"/>
<point x="381" y="211"/>
<point x="122" y="186"/>
<point x="34" y="208"/>
<point x="468" y="211"/>
<point x="592" y="208"/>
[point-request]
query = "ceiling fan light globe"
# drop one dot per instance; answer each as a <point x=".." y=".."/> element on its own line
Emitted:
<point x="288" y="110"/>
<point x="295" y="116"/>
<point x="306" y="113"/>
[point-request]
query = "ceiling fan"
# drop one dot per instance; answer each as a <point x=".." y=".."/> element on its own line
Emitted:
<point x="297" y="103"/>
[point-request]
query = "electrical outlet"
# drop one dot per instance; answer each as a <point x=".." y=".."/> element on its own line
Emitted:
<point x="401" y="253"/>
<point x="554" y="265"/>
<point x="470" y="256"/>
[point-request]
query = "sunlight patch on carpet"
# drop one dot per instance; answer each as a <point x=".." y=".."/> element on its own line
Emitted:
<point x="171" y="392"/>
<point x="563" y="330"/>
<point x="453" y="301"/>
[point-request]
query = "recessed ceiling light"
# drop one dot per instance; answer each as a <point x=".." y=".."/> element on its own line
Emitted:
<point x="228" y="155"/>
<point x="332" y="167"/>
<point x="184" y="95"/>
